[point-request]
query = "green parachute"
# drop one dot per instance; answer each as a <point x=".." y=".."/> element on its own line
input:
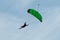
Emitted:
<point x="35" y="14"/>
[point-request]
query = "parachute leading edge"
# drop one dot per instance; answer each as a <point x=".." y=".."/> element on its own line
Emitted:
<point x="35" y="14"/>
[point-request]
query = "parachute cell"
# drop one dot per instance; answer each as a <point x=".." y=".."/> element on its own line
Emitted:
<point x="35" y="14"/>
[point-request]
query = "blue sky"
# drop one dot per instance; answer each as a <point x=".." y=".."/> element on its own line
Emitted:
<point x="13" y="14"/>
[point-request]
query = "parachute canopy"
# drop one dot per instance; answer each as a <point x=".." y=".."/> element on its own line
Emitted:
<point x="35" y="14"/>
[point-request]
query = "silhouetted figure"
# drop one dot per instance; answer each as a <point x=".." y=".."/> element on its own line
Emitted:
<point x="23" y="26"/>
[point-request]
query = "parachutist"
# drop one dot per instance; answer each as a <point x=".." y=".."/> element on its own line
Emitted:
<point x="23" y="26"/>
